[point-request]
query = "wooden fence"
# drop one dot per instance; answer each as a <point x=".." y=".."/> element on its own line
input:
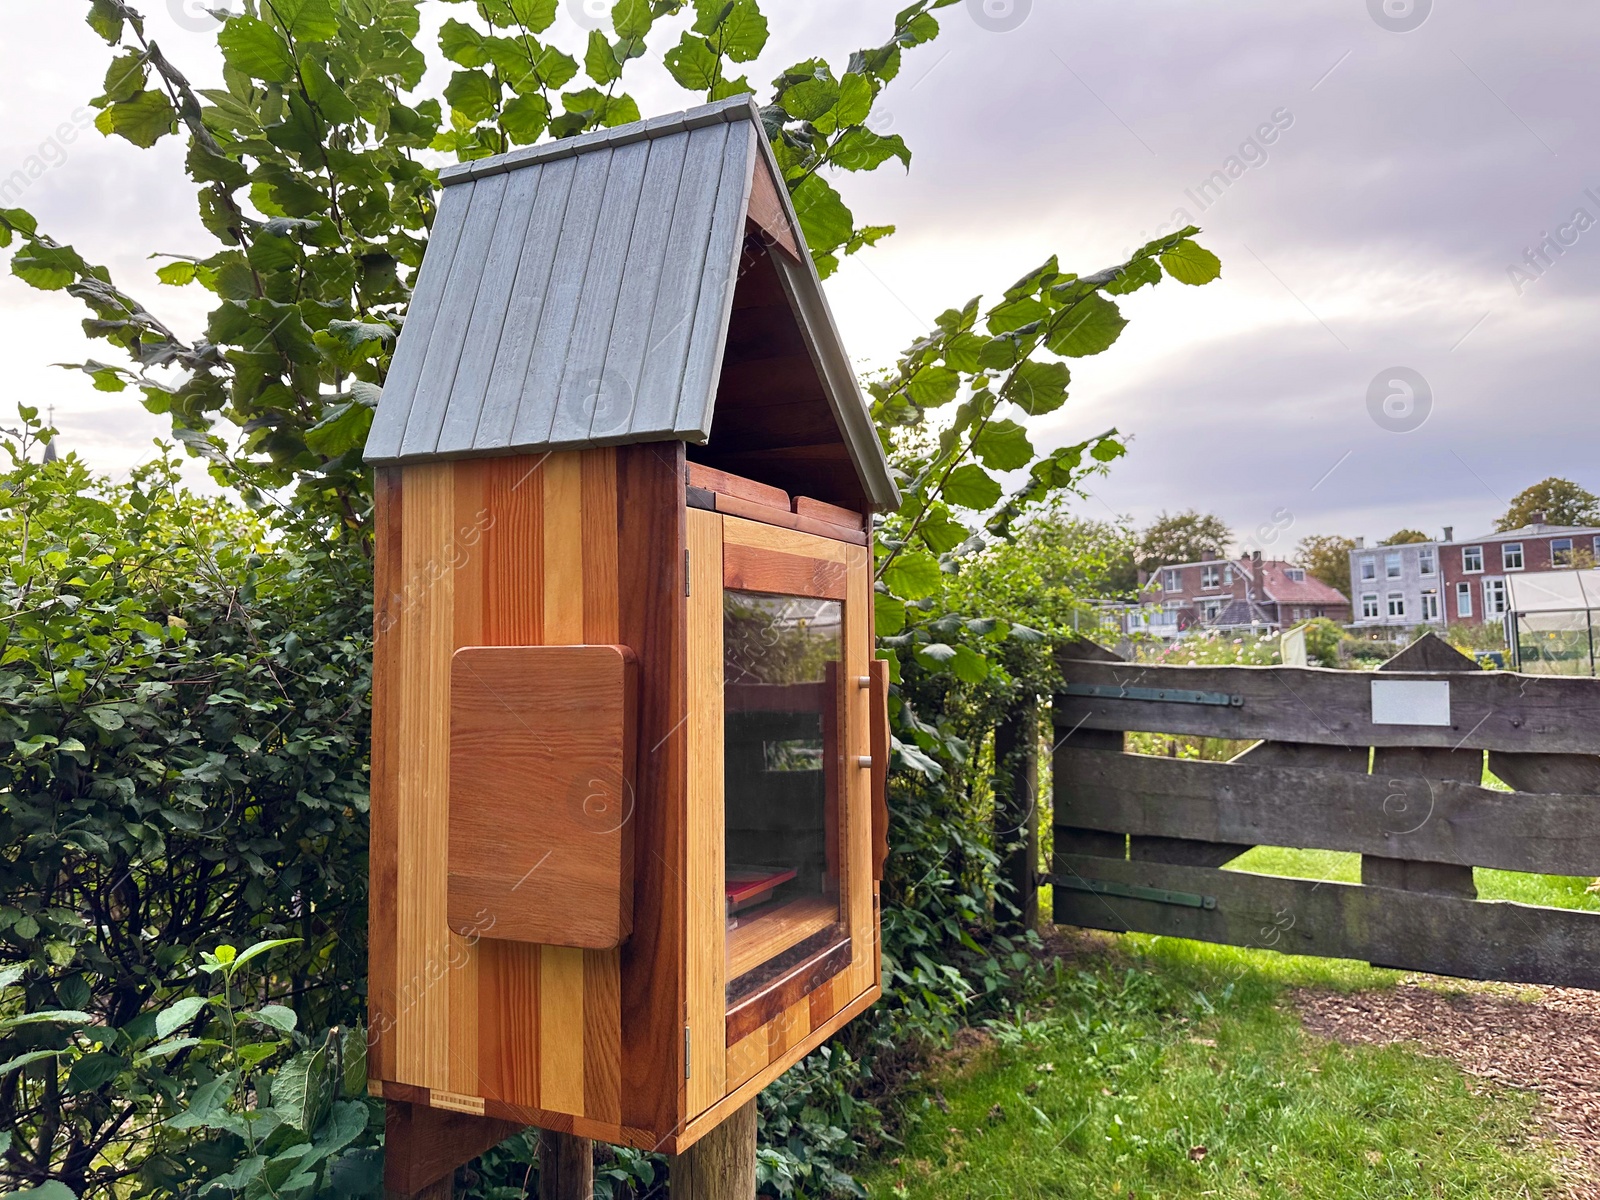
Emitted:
<point x="1388" y="765"/>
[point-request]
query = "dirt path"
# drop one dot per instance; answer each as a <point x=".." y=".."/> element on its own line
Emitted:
<point x="1544" y="1039"/>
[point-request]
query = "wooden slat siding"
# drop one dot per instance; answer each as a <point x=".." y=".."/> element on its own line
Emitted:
<point x="856" y="705"/>
<point x="400" y="387"/>
<point x="561" y="1052"/>
<point x="824" y="1002"/>
<point x="736" y="531"/>
<point x="728" y="484"/>
<point x="602" y="625"/>
<point x="651" y="543"/>
<point x="583" y="386"/>
<point x="747" y="1057"/>
<point x="751" y="1085"/>
<point x="546" y="365"/>
<point x="766" y="210"/>
<point x="1494" y="710"/>
<point x="504" y="396"/>
<point x="788" y="1030"/>
<point x="706" y="981"/>
<point x="387" y="705"/>
<point x="687" y="244"/>
<point x="747" y="569"/>
<point x="499" y="275"/>
<point x="512" y="554"/>
<point x="630" y="348"/>
<point x="738" y="506"/>
<point x="1444" y="935"/>
<point x="718" y="277"/>
<point x="1404" y="767"/>
<point x="449" y="337"/>
<point x="805" y="506"/>
<point x="466" y="566"/>
<point x="427" y="641"/>
<point x="1330" y="809"/>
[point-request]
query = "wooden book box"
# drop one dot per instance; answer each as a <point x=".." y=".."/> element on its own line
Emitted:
<point x="629" y="737"/>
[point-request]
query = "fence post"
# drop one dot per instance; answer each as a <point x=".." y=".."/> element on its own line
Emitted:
<point x="1069" y="839"/>
<point x="721" y="1165"/>
<point x="566" y="1166"/>
<point x="1016" y="810"/>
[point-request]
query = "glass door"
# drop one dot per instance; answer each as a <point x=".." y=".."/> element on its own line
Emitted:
<point x="783" y="679"/>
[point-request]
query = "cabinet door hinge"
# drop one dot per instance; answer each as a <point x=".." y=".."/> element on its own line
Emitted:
<point x="686" y="584"/>
<point x="688" y="1071"/>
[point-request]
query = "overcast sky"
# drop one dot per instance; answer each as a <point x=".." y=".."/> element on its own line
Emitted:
<point x="1416" y="157"/>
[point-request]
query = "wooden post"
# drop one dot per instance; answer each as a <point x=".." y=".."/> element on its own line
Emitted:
<point x="423" y="1147"/>
<point x="1412" y="767"/>
<point x="1016" y="811"/>
<point x="721" y="1165"/>
<point x="566" y="1166"/>
<point x="1069" y="839"/>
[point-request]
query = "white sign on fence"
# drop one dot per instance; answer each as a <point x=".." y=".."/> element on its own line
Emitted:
<point x="1410" y="702"/>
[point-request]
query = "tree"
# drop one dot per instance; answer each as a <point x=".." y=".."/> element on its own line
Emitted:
<point x="1405" y="538"/>
<point x="1561" y="502"/>
<point x="1183" y="537"/>
<point x="1327" y="557"/>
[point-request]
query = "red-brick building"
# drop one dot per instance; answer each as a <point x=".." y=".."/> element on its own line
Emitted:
<point x="1475" y="569"/>
<point x="1241" y="593"/>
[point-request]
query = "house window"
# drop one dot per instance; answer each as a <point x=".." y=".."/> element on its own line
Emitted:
<point x="1295" y="574"/>
<point x="1463" y="599"/>
<point x="1494" y="597"/>
<point x="1472" y="559"/>
<point x="1426" y="561"/>
<point x="1211" y="609"/>
<point x="1511" y="556"/>
<point x="1561" y="552"/>
<point x="1369" y="568"/>
<point x="1369" y="606"/>
<point x="1430" y="606"/>
<point x="1227" y="572"/>
<point x="1391" y="564"/>
<point x="1397" y="604"/>
<point x="1210" y="576"/>
<point x="1173" y="581"/>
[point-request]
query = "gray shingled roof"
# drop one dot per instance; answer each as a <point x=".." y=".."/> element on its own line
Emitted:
<point x="578" y="293"/>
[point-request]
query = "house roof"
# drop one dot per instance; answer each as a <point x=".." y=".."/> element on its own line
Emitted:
<point x="1310" y="590"/>
<point x="1530" y="531"/>
<point x="1240" y="614"/>
<point x="578" y="293"/>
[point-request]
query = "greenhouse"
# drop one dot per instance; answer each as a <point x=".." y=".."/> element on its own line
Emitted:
<point x="1550" y="621"/>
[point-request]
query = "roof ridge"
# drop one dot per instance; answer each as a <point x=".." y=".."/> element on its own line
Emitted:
<point x="735" y="108"/>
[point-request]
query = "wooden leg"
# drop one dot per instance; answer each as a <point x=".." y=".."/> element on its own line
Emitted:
<point x="423" y="1147"/>
<point x="721" y="1165"/>
<point x="566" y="1166"/>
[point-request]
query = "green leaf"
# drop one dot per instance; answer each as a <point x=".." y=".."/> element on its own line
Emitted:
<point x="1014" y="314"/>
<point x="1004" y="446"/>
<point x="693" y="63"/>
<point x="22" y="1060"/>
<point x="743" y="34"/>
<point x="472" y="94"/>
<point x="1088" y="327"/>
<point x="94" y="1071"/>
<point x="1189" y="262"/>
<point x="463" y="45"/>
<point x="824" y="219"/>
<point x="810" y="99"/>
<point x="344" y="429"/>
<point x="934" y="386"/>
<point x="1138" y="274"/>
<point x="144" y="120"/>
<point x="328" y="96"/>
<point x="46" y="1016"/>
<point x="105" y="18"/>
<point x="52" y="1190"/>
<point x="353" y="1052"/>
<point x="303" y="1090"/>
<point x="970" y="486"/>
<point x="969" y="666"/>
<point x="889" y="614"/>
<point x="855" y="100"/>
<point x="600" y="62"/>
<point x="255" y="951"/>
<point x="863" y="150"/>
<point x="276" y="1016"/>
<point x="125" y="76"/>
<point x="306" y="20"/>
<point x="1038" y="387"/>
<point x="632" y="18"/>
<point x="913" y="575"/>
<point x="1107" y="450"/>
<point x="175" y="1016"/>
<point x="177" y="274"/>
<point x="254" y="48"/>
<point x="525" y="118"/>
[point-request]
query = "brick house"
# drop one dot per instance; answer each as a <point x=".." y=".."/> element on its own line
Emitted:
<point x="1240" y="593"/>
<point x="1475" y="569"/>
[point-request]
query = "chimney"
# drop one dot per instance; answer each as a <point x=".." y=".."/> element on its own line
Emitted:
<point x="1361" y="543"/>
<point x="1449" y="533"/>
<point x="1537" y="519"/>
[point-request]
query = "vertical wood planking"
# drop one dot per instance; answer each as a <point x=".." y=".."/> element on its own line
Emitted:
<point x="387" y="703"/>
<point x="465" y="563"/>
<point x="602" y="983"/>
<point x="857" y="779"/>
<point x="561" y="971"/>
<point x="512" y="551"/>
<point x="422" y="1045"/>
<point x="651" y="543"/>
<point x="706" y="982"/>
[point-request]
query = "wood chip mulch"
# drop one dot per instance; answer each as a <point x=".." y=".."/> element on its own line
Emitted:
<point x="1546" y="1040"/>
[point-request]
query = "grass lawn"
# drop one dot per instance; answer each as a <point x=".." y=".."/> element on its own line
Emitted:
<point x="1175" y="1069"/>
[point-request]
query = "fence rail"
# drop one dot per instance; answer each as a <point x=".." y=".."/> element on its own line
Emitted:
<point x="1347" y="761"/>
